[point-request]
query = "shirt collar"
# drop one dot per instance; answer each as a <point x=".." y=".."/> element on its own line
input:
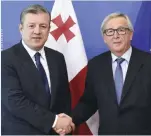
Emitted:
<point x="33" y="52"/>
<point x="126" y="55"/>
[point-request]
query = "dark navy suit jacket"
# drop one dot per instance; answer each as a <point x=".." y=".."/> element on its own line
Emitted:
<point x="133" y="115"/>
<point x="26" y="109"/>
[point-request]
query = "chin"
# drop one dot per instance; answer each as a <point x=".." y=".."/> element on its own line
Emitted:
<point x="119" y="47"/>
<point x="37" y="47"/>
<point x="119" y="50"/>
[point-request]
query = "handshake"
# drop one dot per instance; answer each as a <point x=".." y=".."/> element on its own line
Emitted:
<point x="64" y="124"/>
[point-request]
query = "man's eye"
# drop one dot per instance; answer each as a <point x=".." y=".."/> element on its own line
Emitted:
<point x="44" y="26"/>
<point x="121" y="29"/>
<point x="110" y="31"/>
<point x="31" y="26"/>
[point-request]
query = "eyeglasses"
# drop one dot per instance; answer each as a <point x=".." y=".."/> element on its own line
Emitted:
<point x="120" y="31"/>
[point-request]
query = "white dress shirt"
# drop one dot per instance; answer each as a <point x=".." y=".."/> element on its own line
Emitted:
<point x="124" y="64"/>
<point x="44" y="63"/>
<point x="43" y="60"/>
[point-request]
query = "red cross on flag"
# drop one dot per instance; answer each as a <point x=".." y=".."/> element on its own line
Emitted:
<point x="65" y="37"/>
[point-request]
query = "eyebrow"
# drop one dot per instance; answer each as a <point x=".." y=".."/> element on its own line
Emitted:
<point x="118" y="27"/>
<point x="39" y="24"/>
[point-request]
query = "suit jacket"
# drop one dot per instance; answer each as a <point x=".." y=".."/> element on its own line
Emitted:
<point x="133" y="115"/>
<point x="26" y="108"/>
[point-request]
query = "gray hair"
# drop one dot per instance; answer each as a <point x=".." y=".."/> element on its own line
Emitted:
<point x="116" y="15"/>
<point x="34" y="9"/>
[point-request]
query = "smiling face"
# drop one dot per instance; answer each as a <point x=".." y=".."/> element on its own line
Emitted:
<point x="35" y="29"/>
<point x="118" y="43"/>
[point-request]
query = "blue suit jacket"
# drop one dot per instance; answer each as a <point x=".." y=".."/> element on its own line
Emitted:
<point x="26" y="109"/>
<point x="133" y="115"/>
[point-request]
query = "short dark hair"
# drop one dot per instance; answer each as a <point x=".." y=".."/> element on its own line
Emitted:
<point x="34" y="9"/>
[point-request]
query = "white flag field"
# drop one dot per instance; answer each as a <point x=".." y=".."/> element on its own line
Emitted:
<point x="65" y="37"/>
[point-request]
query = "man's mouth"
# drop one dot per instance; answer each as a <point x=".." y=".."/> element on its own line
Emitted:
<point x="37" y="38"/>
<point x="116" y="42"/>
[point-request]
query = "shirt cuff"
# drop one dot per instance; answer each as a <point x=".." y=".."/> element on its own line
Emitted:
<point x="54" y="124"/>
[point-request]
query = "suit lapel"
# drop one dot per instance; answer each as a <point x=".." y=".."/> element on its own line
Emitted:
<point x="108" y="75"/>
<point x="28" y="64"/>
<point x="52" y="71"/>
<point x="135" y="65"/>
<point x="30" y="69"/>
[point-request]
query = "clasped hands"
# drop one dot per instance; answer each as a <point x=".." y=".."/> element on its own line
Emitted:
<point x="64" y="124"/>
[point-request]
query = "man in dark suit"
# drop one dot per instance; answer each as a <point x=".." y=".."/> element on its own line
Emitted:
<point x="118" y="83"/>
<point x="35" y="87"/>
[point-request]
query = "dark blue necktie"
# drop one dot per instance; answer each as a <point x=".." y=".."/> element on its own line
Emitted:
<point x="42" y="72"/>
<point x="119" y="79"/>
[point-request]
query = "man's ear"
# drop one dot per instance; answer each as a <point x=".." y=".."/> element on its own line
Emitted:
<point x="104" y="38"/>
<point x="131" y="36"/>
<point x="20" y="28"/>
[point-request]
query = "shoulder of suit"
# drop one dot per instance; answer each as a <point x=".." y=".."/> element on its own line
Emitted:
<point x="141" y="53"/>
<point x="52" y="51"/>
<point x="10" y="55"/>
<point x="100" y="57"/>
<point x="11" y="50"/>
<point x="142" y="56"/>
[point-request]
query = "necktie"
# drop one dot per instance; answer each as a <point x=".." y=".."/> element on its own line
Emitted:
<point x="42" y="72"/>
<point x="119" y="79"/>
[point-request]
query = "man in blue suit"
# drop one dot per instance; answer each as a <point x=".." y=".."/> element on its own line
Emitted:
<point x="35" y="87"/>
<point x="118" y="83"/>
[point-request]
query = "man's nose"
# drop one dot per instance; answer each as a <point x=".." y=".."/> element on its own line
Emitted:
<point x="116" y="35"/>
<point x="37" y="30"/>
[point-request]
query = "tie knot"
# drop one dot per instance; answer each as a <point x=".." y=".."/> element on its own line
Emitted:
<point x="37" y="56"/>
<point x="119" y="60"/>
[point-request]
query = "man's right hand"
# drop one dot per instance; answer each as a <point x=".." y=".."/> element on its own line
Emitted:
<point x="64" y="124"/>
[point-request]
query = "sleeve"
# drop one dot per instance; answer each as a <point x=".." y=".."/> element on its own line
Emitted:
<point x="16" y="102"/>
<point x="54" y="124"/>
<point x="65" y="85"/>
<point x="87" y="104"/>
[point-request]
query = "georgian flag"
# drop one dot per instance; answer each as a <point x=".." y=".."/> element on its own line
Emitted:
<point x="65" y="37"/>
